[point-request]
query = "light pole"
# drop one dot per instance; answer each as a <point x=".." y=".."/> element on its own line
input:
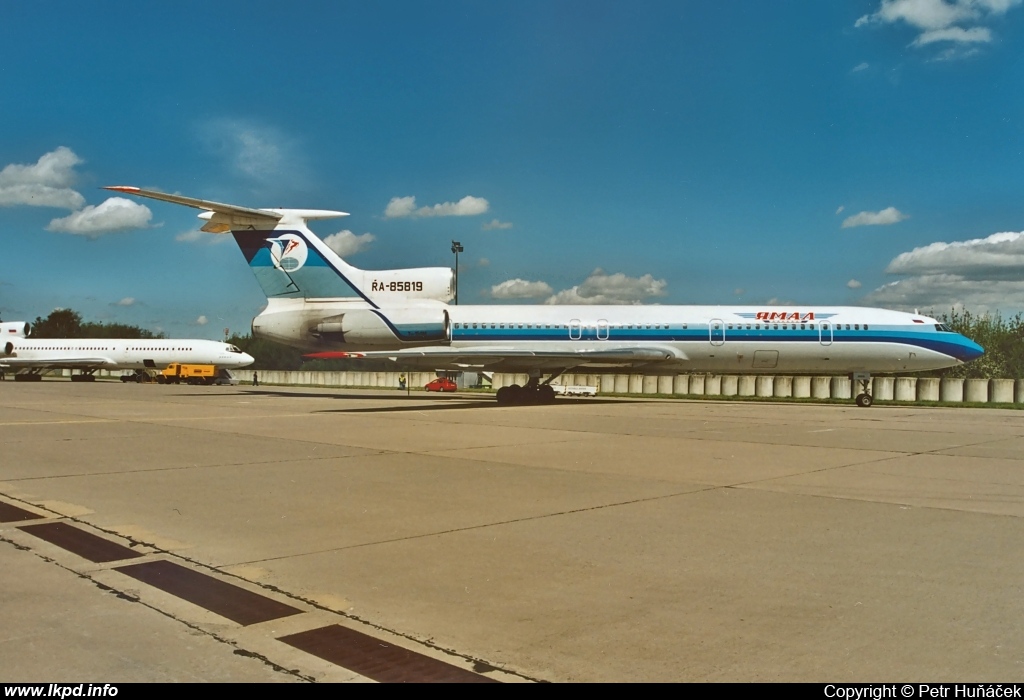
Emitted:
<point x="457" y="248"/>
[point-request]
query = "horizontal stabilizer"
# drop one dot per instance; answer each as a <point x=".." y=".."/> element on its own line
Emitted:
<point x="230" y="209"/>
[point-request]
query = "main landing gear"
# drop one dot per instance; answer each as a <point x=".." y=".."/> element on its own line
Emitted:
<point x="533" y="393"/>
<point x="864" y="399"/>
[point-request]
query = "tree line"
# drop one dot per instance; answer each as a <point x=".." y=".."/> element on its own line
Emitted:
<point x="1002" y="338"/>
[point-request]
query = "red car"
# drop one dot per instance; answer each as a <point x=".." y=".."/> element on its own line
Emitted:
<point x="441" y="384"/>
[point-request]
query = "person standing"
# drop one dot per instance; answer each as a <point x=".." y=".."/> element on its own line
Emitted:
<point x="255" y="379"/>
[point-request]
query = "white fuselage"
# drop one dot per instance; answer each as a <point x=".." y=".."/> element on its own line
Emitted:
<point x="768" y="339"/>
<point x="105" y="353"/>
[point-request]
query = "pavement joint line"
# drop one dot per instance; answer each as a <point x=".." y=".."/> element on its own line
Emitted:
<point x="194" y="466"/>
<point x="484" y="526"/>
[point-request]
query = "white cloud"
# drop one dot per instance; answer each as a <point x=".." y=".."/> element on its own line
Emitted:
<point x="840" y="210"/>
<point x="956" y="34"/>
<point x="602" y="288"/>
<point x="346" y="243"/>
<point x="115" y="214"/>
<point x="483" y="262"/>
<point x="941" y="20"/>
<point x="520" y="289"/>
<point x="127" y="301"/>
<point x="739" y="291"/>
<point x="495" y="225"/>
<point x="202" y="321"/>
<point x="197" y="236"/>
<point x="891" y="215"/>
<point x="256" y="151"/>
<point x="859" y="67"/>
<point x="982" y="274"/>
<point x="400" y="207"/>
<point x="996" y="257"/>
<point x="853" y="284"/>
<point x="46" y="183"/>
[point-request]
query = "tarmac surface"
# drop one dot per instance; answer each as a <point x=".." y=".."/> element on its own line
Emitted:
<point x="162" y="533"/>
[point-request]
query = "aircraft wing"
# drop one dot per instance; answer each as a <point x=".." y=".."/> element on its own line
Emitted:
<point x="516" y="359"/>
<point x="62" y="363"/>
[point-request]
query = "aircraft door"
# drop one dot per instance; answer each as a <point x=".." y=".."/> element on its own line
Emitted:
<point x="575" y="329"/>
<point x="716" y="331"/>
<point x="825" y="333"/>
<point x="602" y="329"/>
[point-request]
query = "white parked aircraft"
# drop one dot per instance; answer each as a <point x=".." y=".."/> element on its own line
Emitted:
<point x="318" y="302"/>
<point x="33" y="356"/>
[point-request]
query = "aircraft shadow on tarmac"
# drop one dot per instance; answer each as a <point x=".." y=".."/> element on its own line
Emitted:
<point x="403" y="402"/>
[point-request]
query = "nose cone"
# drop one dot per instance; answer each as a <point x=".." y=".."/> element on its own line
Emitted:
<point x="968" y="350"/>
<point x="246" y="359"/>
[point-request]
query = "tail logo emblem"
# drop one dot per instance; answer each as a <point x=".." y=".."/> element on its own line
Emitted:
<point x="288" y="252"/>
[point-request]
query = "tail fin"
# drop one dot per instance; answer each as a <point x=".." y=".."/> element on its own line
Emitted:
<point x="290" y="261"/>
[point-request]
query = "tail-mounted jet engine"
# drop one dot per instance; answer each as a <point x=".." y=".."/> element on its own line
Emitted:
<point x="389" y="328"/>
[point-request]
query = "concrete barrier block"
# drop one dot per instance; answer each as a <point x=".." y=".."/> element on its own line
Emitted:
<point x="928" y="388"/>
<point x="882" y="388"/>
<point x="730" y="385"/>
<point x="697" y="384"/>
<point x="1001" y="391"/>
<point x="746" y="385"/>
<point x="649" y="385"/>
<point x="976" y="390"/>
<point x="1018" y="391"/>
<point x="607" y="383"/>
<point x="665" y="385"/>
<point x="636" y="384"/>
<point x="713" y="385"/>
<point x="764" y="385"/>
<point x="951" y="389"/>
<point x="842" y="388"/>
<point x="783" y="387"/>
<point x="905" y="389"/>
<point x="621" y="383"/>
<point x="821" y="387"/>
<point x="801" y="387"/>
<point x="681" y="384"/>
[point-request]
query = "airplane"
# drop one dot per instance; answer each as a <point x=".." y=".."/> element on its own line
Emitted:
<point x="318" y="302"/>
<point x="33" y="356"/>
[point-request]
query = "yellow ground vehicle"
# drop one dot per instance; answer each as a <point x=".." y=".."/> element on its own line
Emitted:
<point x="176" y="373"/>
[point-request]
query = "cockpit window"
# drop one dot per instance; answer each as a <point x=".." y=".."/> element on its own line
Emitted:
<point x="943" y="328"/>
<point x="232" y="348"/>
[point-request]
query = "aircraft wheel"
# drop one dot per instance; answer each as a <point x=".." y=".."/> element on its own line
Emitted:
<point x="545" y="394"/>
<point x="515" y="394"/>
<point x="502" y="395"/>
<point x="864" y="400"/>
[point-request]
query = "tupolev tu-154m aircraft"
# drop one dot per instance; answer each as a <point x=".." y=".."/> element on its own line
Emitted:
<point x="30" y="357"/>
<point x="318" y="302"/>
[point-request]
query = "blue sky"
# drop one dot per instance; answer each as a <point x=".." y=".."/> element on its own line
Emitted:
<point x="858" y="152"/>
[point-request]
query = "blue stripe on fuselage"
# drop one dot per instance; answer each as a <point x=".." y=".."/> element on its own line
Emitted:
<point x="951" y="344"/>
